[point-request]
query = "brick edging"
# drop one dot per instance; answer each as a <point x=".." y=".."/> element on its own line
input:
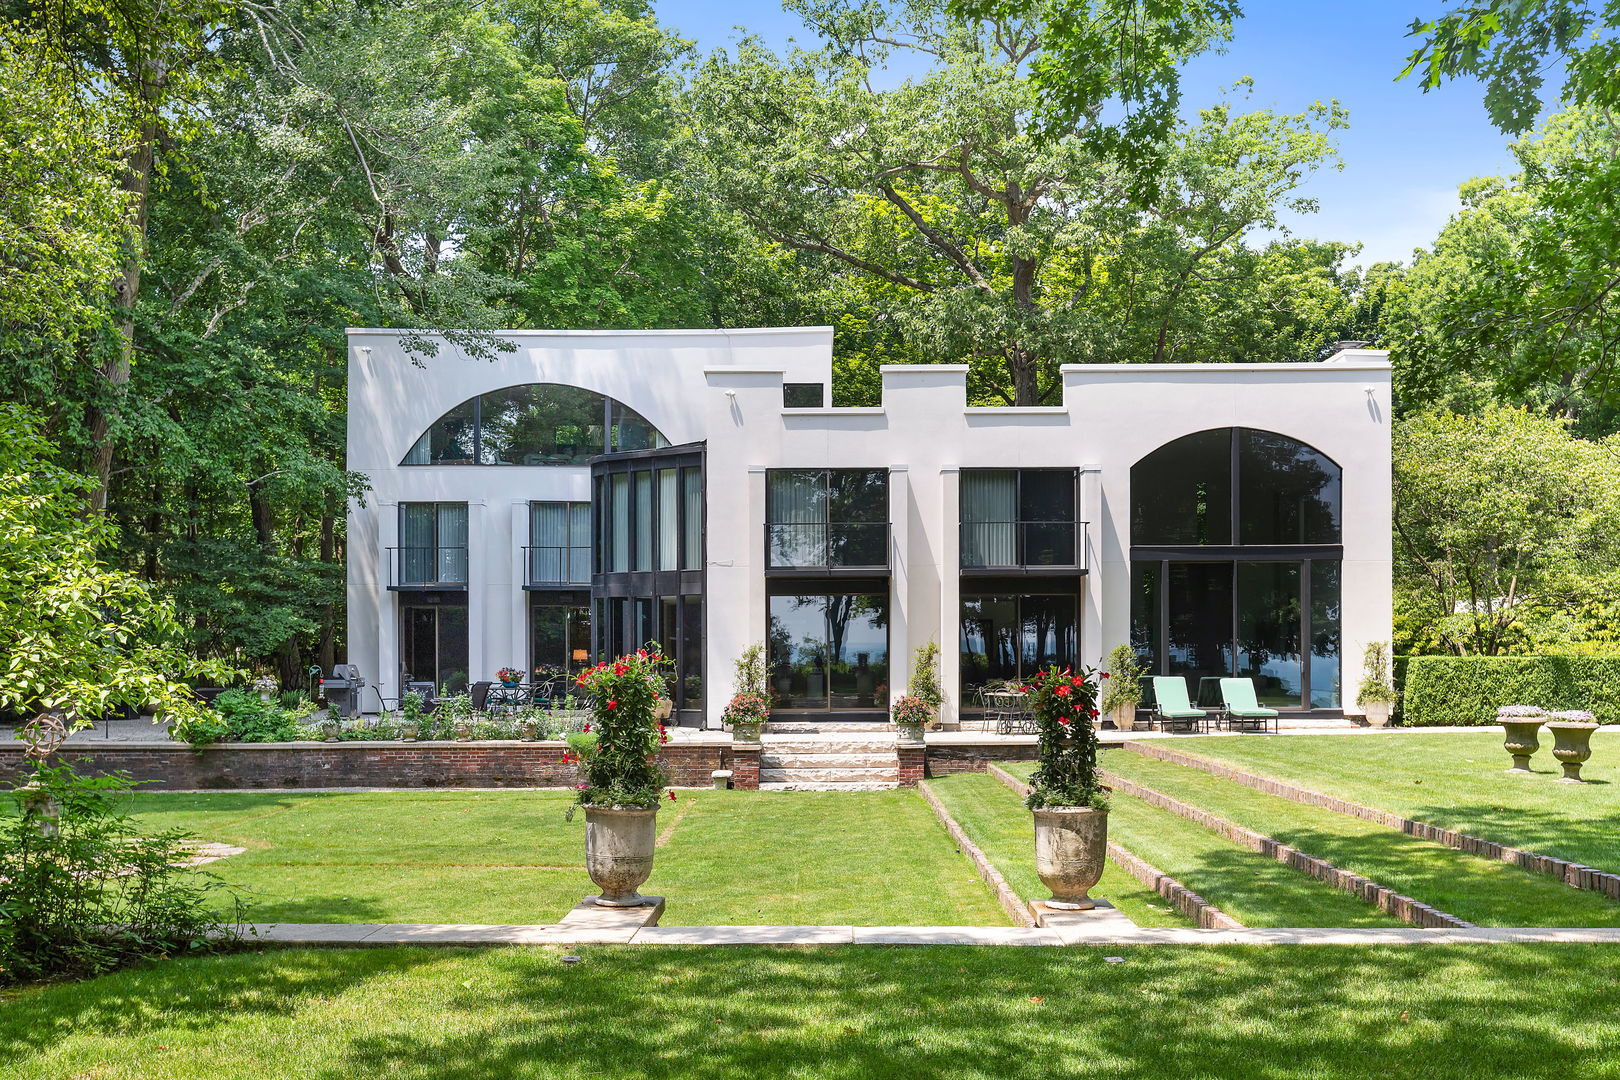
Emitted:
<point x="1573" y="874"/>
<point x="1183" y="899"/>
<point x="1401" y="906"/>
<point x="1009" y="901"/>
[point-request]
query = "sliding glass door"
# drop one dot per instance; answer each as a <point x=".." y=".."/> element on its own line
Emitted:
<point x="830" y="651"/>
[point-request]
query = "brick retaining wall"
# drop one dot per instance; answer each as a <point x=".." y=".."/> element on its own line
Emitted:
<point x="943" y="760"/>
<point x="360" y="764"/>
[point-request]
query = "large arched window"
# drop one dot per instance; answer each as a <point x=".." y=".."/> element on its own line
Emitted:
<point x="1235" y="558"/>
<point x="534" y="424"/>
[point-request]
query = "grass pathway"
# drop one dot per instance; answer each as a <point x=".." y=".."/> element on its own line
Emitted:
<point x="1479" y="890"/>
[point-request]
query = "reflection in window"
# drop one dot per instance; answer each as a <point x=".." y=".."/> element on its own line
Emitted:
<point x="1182" y="492"/>
<point x="803" y="395"/>
<point x="1268" y="629"/>
<point x="1288" y="492"/>
<point x="1325" y="635"/>
<point x="1009" y="638"/>
<point x="828" y="517"/>
<point x="830" y="651"/>
<point x="534" y="424"/>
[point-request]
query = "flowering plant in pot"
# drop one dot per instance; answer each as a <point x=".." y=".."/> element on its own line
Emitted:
<point x="909" y="713"/>
<point x="509" y="676"/>
<point x="621" y="779"/>
<point x="749" y="706"/>
<point x="1071" y="810"/>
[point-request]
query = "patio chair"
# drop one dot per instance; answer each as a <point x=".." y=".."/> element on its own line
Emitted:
<point x="1239" y="706"/>
<point x="1171" y="707"/>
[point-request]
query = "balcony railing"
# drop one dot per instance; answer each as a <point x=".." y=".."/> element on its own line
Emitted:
<point x="827" y="546"/>
<point x="545" y="564"/>
<point x="994" y="545"/>
<point x="427" y="567"/>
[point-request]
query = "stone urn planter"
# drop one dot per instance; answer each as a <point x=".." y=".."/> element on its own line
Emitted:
<point x="1124" y="717"/>
<point x="266" y="688"/>
<point x="664" y="709"/>
<point x="745" y="731"/>
<point x="1520" y="723"/>
<point x="1377" y="713"/>
<point x="41" y="807"/>
<point x="619" y="852"/>
<point x="330" y="730"/>
<point x="909" y="733"/>
<point x="1572" y="743"/>
<point x="1071" y="845"/>
<point x="527" y="730"/>
<point x="463" y="731"/>
<point x="409" y="730"/>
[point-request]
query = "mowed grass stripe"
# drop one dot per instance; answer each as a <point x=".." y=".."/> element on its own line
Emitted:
<point x="997" y="821"/>
<point x="1479" y="890"/>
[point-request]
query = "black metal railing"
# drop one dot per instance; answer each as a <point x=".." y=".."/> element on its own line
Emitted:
<point x="551" y="564"/>
<point x="428" y="567"/>
<point x="990" y="545"/>
<point x="827" y="545"/>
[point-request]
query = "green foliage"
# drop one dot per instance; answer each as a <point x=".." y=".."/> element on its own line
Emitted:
<point x="98" y="894"/>
<point x="622" y="769"/>
<point x="924" y="682"/>
<point x="1375" y="684"/>
<point x="1503" y="522"/>
<point x="1467" y="690"/>
<point x="1124" y="675"/>
<point x="76" y="637"/>
<point x="1065" y="704"/>
<point x="749" y="670"/>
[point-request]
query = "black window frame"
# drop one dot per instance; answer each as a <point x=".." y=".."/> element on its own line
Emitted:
<point x="1021" y="525"/>
<point x="829" y="524"/>
<point x="613" y="411"/>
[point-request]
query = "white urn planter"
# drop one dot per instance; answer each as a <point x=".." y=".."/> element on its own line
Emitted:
<point x="1124" y="717"/>
<point x="1377" y="713"/>
<point x="1071" y="847"/>
<point x="619" y="847"/>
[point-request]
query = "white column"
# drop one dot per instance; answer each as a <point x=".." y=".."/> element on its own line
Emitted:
<point x="950" y="594"/>
<point x="899" y="579"/>
<point x="386" y="677"/>
<point x="478" y="576"/>
<point x="1092" y="645"/>
<point x="522" y="655"/>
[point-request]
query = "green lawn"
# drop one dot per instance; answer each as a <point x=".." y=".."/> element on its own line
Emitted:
<point x="996" y="820"/>
<point x="965" y="1013"/>
<point x="1479" y="890"/>
<point x="1252" y="888"/>
<point x="868" y="858"/>
<point x="1455" y="781"/>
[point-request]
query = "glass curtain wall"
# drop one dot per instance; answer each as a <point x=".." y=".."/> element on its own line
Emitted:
<point x="830" y="650"/>
<point x="827" y="518"/>
<point x="533" y="424"/>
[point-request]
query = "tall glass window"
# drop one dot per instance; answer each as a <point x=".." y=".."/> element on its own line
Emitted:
<point x="830" y="651"/>
<point x="619" y="511"/>
<point x="643" y="559"/>
<point x="559" y="543"/>
<point x="432" y="544"/>
<point x="1007" y="638"/>
<point x="692" y="522"/>
<point x="828" y="517"/>
<point x="669" y="516"/>
<point x="1018" y="517"/>
<point x="534" y="424"/>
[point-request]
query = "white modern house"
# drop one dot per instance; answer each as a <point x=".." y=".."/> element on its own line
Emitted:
<point x="588" y="491"/>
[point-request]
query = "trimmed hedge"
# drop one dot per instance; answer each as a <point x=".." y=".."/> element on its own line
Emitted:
<point x="1453" y="691"/>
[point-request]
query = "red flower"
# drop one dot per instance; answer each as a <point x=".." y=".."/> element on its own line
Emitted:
<point x="1102" y="674"/>
<point x="1063" y="719"/>
<point x="1081" y="682"/>
<point x="613" y="704"/>
<point x="672" y="796"/>
<point x="587" y="727"/>
<point x="1093" y="714"/>
<point x="619" y="669"/>
<point x="1062" y="691"/>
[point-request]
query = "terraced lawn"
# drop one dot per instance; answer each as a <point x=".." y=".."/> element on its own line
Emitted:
<point x="1453" y="780"/>
<point x="1479" y="890"/>
<point x="727" y="857"/>
<point x="1532" y="1012"/>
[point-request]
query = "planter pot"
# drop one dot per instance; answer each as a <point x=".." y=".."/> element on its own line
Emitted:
<point x="39" y="806"/>
<point x="619" y="852"/>
<point x="1124" y="717"/>
<point x="1572" y="745"/>
<point x="1071" y="845"/>
<point x="1377" y="713"/>
<point x="330" y="730"/>
<point x="663" y="709"/>
<point x="510" y="685"/>
<point x="1521" y="741"/>
<point x="526" y="730"/>
<point x="463" y="731"/>
<point x="909" y="733"/>
<point x="409" y="730"/>
<point x="745" y="732"/>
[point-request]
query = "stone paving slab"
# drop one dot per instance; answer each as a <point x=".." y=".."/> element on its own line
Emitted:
<point x="746" y="935"/>
<point x="1102" y="918"/>
<point x="954" y="935"/>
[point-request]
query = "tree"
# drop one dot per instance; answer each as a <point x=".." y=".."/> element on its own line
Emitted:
<point x="77" y="639"/>
<point x="986" y="239"/>
<point x="1509" y="45"/>
<point x="1503" y="522"/>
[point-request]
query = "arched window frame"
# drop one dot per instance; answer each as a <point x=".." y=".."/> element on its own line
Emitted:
<point x="615" y="414"/>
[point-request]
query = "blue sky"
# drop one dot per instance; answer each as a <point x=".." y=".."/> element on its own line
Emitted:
<point x="1404" y="153"/>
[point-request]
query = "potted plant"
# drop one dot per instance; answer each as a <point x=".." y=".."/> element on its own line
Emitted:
<point x="749" y="706"/>
<point x="1520" y="722"/>
<point x="622" y="779"/>
<point x="266" y="687"/>
<point x="1124" y="691"/>
<point x="1071" y="811"/>
<point x="410" y="716"/>
<point x="1377" y="694"/>
<point x="1572" y="741"/>
<point x="509" y="677"/>
<point x="909" y="714"/>
<point x="924" y="682"/>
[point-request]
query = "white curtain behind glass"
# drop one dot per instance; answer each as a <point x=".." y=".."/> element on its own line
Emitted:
<point x="796" y="508"/>
<point x="452" y="542"/>
<point x="989" y="517"/>
<point x="669" y="534"/>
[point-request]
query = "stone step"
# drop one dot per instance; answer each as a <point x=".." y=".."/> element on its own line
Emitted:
<point x="793" y="785"/>
<point x="812" y="727"/>
<point x="770" y="760"/>
<point x="842" y="746"/>
<point x="832" y="775"/>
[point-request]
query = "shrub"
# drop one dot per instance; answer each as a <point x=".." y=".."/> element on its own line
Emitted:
<point x="1064" y="705"/>
<point x="1467" y="690"/>
<point x="924" y="682"/>
<point x="621" y="769"/>
<point x="1375" y="685"/>
<point x="97" y="894"/>
<point x="242" y="716"/>
<point x="1125" y="672"/>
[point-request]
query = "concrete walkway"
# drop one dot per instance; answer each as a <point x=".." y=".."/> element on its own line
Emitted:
<point x="376" y="934"/>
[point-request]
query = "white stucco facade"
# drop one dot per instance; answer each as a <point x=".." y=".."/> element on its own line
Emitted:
<point x="724" y="389"/>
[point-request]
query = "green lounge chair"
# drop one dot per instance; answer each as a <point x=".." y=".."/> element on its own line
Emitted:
<point x="1239" y="705"/>
<point x="1171" y="707"/>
